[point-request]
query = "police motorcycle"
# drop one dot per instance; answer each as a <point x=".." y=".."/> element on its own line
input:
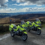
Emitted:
<point x="29" y="26"/>
<point x="17" y="30"/>
<point x="37" y="28"/>
<point x="34" y="27"/>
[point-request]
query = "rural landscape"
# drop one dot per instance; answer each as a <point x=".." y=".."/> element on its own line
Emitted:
<point x="22" y="22"/>
<point x="16" y="19"/>
<point x="5" y="20"/>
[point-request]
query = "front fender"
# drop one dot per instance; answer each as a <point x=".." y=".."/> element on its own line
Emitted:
<point x="25" y="32"/>
<point x="39" y="28"/>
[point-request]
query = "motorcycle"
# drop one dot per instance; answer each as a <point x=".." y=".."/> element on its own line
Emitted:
<point x="23" y="34"/>
<point x="37" y="29"/>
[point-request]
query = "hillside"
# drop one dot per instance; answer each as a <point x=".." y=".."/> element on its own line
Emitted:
<point x="18" y="18"/>
<point x="33" y="19"/>
<point x="28" y="16"/>
<point x="21" y="16"/>
<point x="7" y="20"/>
<point x="4" y="15"/>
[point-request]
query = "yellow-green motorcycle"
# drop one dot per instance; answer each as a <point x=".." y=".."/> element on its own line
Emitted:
<point x="37" y="28"/>
<point x="19" y="32"/>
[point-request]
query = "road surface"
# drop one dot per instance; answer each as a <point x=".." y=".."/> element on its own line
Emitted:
<point x="33" y="39"/>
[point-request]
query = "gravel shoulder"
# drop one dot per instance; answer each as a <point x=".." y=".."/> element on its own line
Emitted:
<point x="33" y="39"/>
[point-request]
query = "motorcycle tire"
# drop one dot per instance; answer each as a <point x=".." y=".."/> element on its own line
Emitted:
<point x="12" y="34"/>
<point x="28" y="30"/>
<point x="39" y="32"/>
<point x="24" y="37"/>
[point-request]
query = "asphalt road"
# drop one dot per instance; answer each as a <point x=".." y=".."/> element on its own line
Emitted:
<point x="33" y="39"/>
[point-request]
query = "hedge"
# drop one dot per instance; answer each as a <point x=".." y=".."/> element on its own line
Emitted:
<point x="4" y="29"/>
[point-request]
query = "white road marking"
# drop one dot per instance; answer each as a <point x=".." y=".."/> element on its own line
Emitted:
<point x="5" y="36"/>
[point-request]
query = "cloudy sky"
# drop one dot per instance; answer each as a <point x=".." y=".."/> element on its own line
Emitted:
<point x="14" y="6"/>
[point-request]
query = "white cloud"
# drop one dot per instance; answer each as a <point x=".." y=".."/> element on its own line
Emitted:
<point x="14" y="4"/>
<point x="18" y="1"/>
<point x="24" y="4"/>
<point x="0" y="5"/>
<point x="38" y="5"/>
<point x="36" y="9"/>
<point x="32" y="1"/>
<point x="8" y="10"/>
<point x="13" y="10"/>
<point x="2" y="2"/>
<point x="26" y="9"/>
<point x="23" y="9"/>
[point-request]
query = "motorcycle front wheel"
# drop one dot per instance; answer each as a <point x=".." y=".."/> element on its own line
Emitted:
<point x="12" y="34"/>
<point x="38" y="32"/>
<point x="24" y="37"/>
<point x="28" y="29"/>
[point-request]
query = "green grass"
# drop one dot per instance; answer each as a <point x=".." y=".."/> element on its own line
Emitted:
<point x="9" y="24"/>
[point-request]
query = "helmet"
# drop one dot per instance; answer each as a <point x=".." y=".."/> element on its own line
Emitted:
<point x="14" y="26"/>
<point x="22" y="22"/>
<point x="29" y="21"/>
<point x="37" y="19"/>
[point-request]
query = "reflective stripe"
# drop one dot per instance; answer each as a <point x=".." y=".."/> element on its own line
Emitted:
<point x="21" y="29"/>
